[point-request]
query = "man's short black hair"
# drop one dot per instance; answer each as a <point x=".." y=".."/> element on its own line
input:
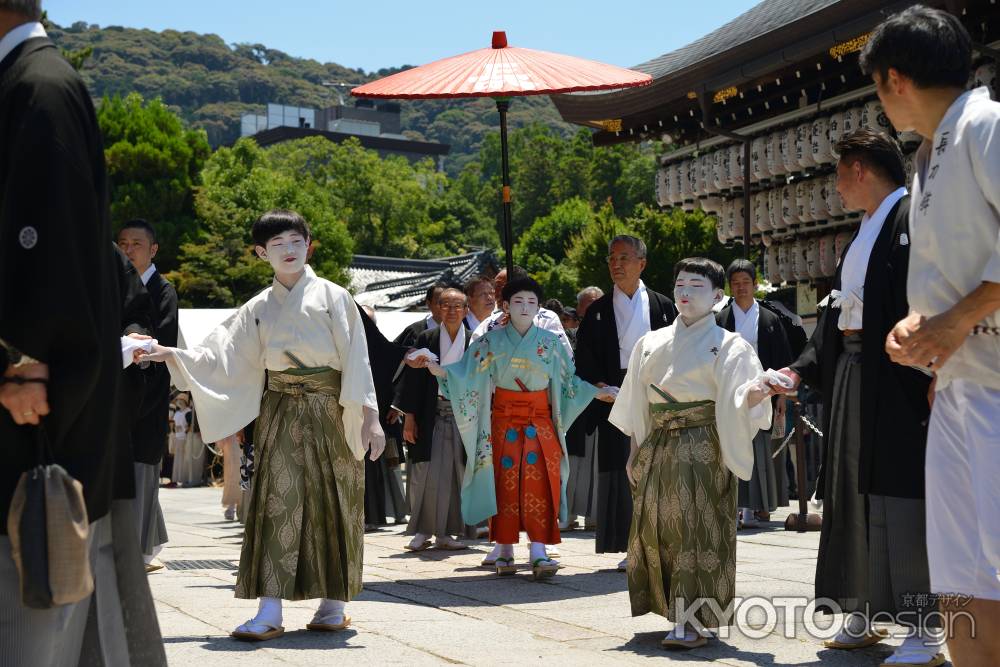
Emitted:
<point x="139" y="223"/>
<point x="703" y="266"/>
<point x="518" y="273"/>
<point x="930" y="46"/>
<point x="875" y="151"/>
<point x="741" y="266"/>
<point x="278" y="221"/>
<point x="439" y="286"/>
<point x="525" y="284"/>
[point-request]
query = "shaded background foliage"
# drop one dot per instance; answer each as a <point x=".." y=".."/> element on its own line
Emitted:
<point x="166" y="98"/>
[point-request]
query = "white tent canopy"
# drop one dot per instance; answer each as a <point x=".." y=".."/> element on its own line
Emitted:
<point x="194" y="324"/>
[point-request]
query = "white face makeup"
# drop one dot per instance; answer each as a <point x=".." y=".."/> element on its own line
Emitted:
<point x="694" y="295"/>
<point x="286" y="252"/>
<point x="523" y="307"/>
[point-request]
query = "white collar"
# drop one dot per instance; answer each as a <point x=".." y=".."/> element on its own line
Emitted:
<point x="618" y="294"/>
<point x="147" y="274"/>
<point x="883" y="209"/>
<point x="18" y="35"/>
<point x="752" y="308"/>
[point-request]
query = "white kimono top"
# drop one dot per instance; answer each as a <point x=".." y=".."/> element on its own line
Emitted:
<point x="316" y="320"/>
<point x="695" y="363"/>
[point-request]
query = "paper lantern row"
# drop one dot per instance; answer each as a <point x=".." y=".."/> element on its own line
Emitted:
<point x="802" y="260"/>
<point x="803" y="206"/>
<point x="774" y="157"/>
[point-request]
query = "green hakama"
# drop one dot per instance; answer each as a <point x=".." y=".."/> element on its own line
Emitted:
<point x="304" y="534"/>
<point x="682" y="543"/>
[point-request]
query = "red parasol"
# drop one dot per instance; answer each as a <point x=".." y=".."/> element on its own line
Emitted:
<point x="502" y="72"/>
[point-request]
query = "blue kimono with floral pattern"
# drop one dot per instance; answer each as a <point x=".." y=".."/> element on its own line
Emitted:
<point x="499" y="359"/>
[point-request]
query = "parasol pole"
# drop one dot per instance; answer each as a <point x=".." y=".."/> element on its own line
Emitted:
<point x="503" y="103"/>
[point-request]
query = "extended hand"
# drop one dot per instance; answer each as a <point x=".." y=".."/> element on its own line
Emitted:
<point x="159" y="353"/>
<point x="372" y="435"/>
<point x="419" y="362"/>
<point x="435" y="369"/>
<point x="28" y="402"/>
<point x="607" y="394"/>
<point x="796" y="380"/>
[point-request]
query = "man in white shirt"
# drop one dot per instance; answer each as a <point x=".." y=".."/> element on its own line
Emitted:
<point x="920" y="60"/>
<point x="872" y="550"/>
<point x="767" y="489"/>
<point x="609" y="330"/>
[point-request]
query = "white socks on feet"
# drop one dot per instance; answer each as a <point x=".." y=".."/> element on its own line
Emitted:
<point x="268" y="616"/>
<point x="917" y="649"/>
<point x="536" y="550"/>
<point x="330" y="612"/>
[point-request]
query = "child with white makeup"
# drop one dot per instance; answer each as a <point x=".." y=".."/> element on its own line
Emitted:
<point x="295" y="358"/>
<point x="692" y="402"/>
<point x="516" y="443"/>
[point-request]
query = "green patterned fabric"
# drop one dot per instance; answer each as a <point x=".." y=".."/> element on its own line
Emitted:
<point x="682" y="543"/>
<point x="305" y="525"/>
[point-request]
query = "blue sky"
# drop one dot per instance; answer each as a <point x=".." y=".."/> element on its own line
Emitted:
<point x="372" y="35"/>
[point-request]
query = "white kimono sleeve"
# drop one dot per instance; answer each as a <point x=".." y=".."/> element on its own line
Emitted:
<point x="225" y="375"/>
<point x="630" y="412"/>
<point x="357" y="389"/>
<point x="737" y="424"/>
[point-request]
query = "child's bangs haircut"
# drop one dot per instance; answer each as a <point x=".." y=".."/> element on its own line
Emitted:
<point x="278" y="221"/>
<point x="703" y="267"/>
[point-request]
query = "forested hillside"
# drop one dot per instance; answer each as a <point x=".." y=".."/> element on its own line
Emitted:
<point x="210" y="84"/>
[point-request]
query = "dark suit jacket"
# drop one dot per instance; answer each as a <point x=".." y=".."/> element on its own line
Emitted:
<point x="59" y="295"/>
<point x="894" y="409"/>
<point x="384" y="357"/>
<point x="408" y="336"/>
<point x="419" y="395"/>
<point x="597" y="360"/>
<point x="149" y="435"/>
<point x="773" y="348"/>
<point x="138" y="315"/>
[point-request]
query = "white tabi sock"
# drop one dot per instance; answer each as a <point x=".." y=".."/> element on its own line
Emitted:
<point x="919" y="648"/>
<point x="268" y="616"/>
<point x="537" y="550"/>
<point x="682" y="632"/>
<point x="506" y="550"/>
<point x="331" y="611"/>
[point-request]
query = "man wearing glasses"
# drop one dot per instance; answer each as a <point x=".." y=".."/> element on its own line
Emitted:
<point x="610" y="329"/>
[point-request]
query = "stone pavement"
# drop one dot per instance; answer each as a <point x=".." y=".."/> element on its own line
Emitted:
<point x="441" y="608"/>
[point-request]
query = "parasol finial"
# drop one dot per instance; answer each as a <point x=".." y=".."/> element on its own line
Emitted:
<point x="499" y="39"/>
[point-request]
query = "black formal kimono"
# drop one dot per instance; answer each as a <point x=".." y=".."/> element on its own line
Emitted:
<point x="381" y="495"/>
<point x="598" y="360"/>
<point x="773" y="348"/>
<point x="875" y="425"/>
<point x="408" y="336"/>
<point x="138" y="316"/>
<point x="59" y="296"/>
<point x="767" y="489"/>
<point x="61" y="303"/>
<point x="149" y="435"/>
<point x="419" y="395"/>
<point x="894" y="403"/>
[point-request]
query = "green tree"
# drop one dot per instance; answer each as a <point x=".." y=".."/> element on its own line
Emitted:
<point x="219" y="268"/>
<point x="588" y="251"/>
<point x="154" y="165"/>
